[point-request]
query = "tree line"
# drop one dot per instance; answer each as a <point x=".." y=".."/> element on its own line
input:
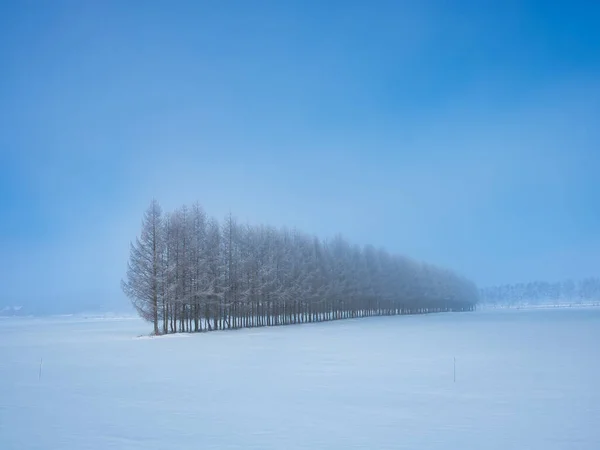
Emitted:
<point x="586" y="290"/>
<point x="189" y="272"/>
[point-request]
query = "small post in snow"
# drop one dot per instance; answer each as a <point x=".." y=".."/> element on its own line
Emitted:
<point x="40" y="375"/>
<point x="455" y="369"/>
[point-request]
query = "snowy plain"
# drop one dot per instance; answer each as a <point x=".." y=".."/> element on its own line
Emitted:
<point x="524" y="380"/>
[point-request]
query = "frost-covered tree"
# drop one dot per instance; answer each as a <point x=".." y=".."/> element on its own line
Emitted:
<point x="187" y="272"/>
<point x="144" y="272"/>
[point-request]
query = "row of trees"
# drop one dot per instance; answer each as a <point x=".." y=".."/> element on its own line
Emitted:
<point x="586" y="290"/>
<point x="188" y="272"/>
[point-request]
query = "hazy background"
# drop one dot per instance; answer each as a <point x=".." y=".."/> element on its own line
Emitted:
<point x="464" y="136"/>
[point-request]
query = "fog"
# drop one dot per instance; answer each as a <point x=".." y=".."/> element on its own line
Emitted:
<point x="466" y="138"/>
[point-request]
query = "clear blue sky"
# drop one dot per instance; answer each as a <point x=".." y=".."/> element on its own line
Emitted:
<point x="464" y="135"/>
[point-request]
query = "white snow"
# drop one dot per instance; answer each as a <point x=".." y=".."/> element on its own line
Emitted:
<point x="525" y="379"/>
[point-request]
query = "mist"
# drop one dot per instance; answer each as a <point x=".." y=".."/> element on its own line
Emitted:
<point x="466" y="138"/>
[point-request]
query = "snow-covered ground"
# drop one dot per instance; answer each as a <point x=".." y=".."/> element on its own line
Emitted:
<point x="524" y="380"/>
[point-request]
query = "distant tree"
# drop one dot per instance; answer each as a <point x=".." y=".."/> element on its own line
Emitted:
<point x="568" y="290"/>
<point x="542" y="292"/>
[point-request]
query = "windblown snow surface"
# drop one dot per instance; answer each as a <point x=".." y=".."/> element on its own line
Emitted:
<point x="524" y="380"/>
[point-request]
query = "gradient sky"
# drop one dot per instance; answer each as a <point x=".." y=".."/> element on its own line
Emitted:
<point x="467" y="136"/>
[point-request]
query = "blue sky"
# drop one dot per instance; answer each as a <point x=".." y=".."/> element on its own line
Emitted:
<point x="465" y="135"/>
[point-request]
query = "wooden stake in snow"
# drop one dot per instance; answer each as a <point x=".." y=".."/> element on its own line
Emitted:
<point x="455" y="369"/>
<point x="40" y="376"/>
